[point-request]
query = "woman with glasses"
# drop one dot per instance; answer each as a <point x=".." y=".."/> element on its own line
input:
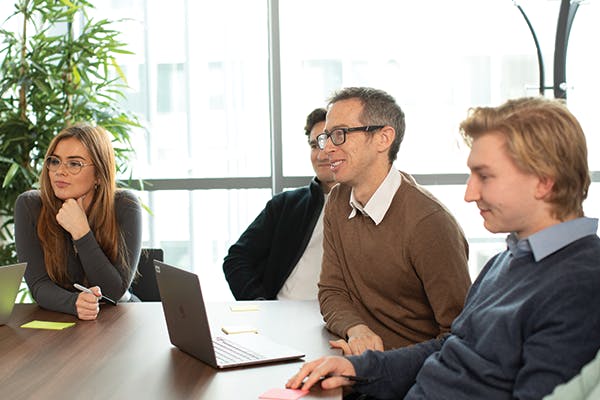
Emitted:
<point x="78" y="228"/>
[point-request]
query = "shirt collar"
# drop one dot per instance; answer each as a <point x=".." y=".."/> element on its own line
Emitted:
<point x="552" y="239"/>
<point x="381" y="200"/>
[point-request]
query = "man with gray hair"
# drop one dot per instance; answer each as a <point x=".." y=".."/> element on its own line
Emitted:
<point x="394" y="267"/>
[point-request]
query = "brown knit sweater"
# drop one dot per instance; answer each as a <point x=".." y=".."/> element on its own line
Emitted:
<point x="406" y="278"/>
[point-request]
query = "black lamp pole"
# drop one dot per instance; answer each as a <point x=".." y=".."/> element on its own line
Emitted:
<point x="566" y="15"/>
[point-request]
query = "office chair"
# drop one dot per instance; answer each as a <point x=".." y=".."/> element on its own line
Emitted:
<point x="144" y="285"/>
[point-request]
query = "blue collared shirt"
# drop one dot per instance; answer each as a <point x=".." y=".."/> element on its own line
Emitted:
<point x="552" y="239"/>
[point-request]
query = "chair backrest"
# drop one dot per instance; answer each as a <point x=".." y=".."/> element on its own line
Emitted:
<point x="144" y="285"/>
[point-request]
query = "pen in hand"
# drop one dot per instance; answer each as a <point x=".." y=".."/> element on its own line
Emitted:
<point x="352" y="378"/>
<point x="86" y="290"/>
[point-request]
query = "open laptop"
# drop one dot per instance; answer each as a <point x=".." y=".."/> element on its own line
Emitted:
<point x="189" y="329"/>
<point x="10" y="281"/>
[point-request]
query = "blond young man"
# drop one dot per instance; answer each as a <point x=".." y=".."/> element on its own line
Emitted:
<point x="530" y="321"/>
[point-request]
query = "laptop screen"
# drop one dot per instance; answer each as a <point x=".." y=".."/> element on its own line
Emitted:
<point x="11" y="277"/>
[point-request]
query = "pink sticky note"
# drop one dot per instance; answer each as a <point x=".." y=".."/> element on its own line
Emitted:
<point x="283" y="394"/>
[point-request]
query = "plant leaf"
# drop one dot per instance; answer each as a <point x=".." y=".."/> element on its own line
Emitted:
<point x="10" y="174"/>
<point x="76" y="76"/>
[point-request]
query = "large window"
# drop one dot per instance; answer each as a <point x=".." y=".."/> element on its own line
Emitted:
<point x="436" y="58"/>
<point x="199" y="81"/>
<point x="223" y="89"/>
<point x="583" y="78"/>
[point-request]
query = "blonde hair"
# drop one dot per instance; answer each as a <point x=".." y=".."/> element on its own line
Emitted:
<point x="544" y="139"/>
<point x="101" y="213"/>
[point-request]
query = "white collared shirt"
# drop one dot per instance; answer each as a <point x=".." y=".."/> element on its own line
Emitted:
<point x="380" y="202"/>
<point x="302" y="282"/>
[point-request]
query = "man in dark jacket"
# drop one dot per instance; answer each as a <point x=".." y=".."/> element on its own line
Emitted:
<point x="279" y="254"/>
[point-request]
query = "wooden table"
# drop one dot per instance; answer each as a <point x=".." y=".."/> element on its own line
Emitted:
<point x="126" y="354"/>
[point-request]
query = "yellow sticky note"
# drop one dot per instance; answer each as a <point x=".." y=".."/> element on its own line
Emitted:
<point x="35" y="324"/>
<point x="232" y="329"/>
<point x="244" y="307"/>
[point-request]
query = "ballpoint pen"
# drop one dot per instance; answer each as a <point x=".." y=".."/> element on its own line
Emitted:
<point x="353" y="378"/>
<point x="86" y="290"/>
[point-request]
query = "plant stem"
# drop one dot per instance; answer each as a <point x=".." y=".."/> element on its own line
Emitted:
<point x="69" y="72"/>
<point x="22" y="70"/>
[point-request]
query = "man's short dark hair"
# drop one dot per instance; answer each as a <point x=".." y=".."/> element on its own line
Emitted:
<point x="316" y="116"/>
<point x="379" y="108"/>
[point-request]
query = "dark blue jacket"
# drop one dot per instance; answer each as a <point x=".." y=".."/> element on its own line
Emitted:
<point x="259" y="263"/>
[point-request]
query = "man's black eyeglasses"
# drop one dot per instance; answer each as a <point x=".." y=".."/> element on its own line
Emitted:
<point x="338" y="135"/>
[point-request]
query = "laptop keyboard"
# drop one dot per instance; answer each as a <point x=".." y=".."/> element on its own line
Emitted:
<point x="228" y="352"/>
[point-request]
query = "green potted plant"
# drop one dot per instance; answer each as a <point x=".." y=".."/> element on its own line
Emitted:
<point x="57" y="67"/>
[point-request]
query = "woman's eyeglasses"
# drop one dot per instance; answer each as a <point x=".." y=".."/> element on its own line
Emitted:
<point x="73" y="166"/>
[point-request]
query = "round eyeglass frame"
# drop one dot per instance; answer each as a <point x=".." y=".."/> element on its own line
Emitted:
<point x="74" y="167"/>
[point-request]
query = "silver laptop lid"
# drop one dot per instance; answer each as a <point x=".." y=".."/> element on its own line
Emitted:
<point x="11" y="277"/>
<point x="185" y="313"/>
<point x="189" y="328"/>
